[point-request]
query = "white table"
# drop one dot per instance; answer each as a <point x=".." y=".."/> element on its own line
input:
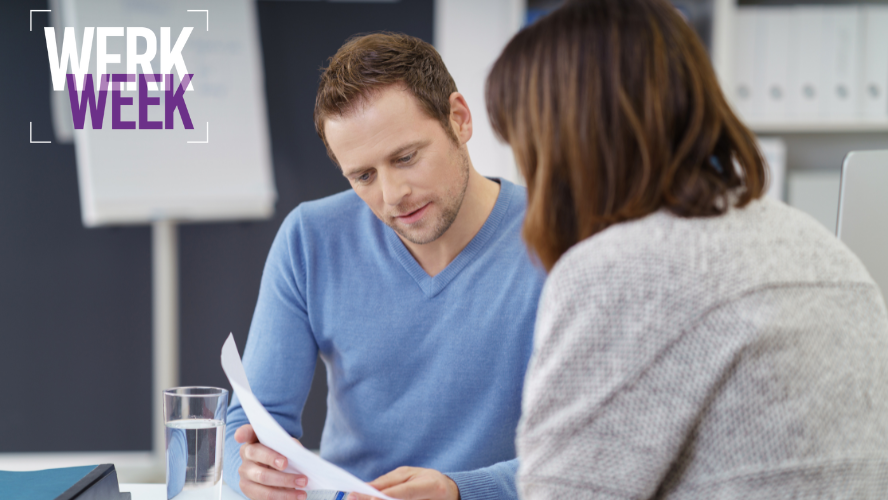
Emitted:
<point x="158" y="492"/>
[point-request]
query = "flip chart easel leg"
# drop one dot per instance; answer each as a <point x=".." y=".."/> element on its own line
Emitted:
<point x="165" y="339"/>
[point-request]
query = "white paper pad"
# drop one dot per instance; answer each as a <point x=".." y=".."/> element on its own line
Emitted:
<point x="322" y="475"/>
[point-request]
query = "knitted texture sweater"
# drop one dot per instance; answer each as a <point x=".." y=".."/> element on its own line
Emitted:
<point x="739" y="356"/>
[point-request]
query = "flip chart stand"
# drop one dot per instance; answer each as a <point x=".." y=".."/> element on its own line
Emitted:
<point x="165" y="337"/>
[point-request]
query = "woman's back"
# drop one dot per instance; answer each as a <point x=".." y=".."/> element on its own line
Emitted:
<point x="743" y="355"/>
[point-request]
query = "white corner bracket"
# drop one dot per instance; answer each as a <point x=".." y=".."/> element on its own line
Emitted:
<point x="31" y="18"/>
<point x="203" y="142"/>
<point x="208" y="17"/>
<point x="31" y="135"/>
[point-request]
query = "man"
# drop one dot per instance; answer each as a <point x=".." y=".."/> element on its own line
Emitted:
<point x="414" y="287"/>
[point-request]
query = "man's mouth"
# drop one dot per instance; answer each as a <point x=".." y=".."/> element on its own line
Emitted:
<point x="413" y="216"/>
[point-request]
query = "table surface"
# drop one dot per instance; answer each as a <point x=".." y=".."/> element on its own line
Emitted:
<point x="158" y="492"/>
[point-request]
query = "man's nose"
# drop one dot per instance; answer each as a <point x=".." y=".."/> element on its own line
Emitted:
<point x="394" y="188"/>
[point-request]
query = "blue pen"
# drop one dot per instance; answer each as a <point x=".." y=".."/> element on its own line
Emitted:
<point x="339" y="495"/>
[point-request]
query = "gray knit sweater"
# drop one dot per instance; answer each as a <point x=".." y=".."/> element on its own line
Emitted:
<point x="741" y="356"/>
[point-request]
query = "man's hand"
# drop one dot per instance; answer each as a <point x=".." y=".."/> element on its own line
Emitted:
<point x="413" y="483"/>
<point x="260" y="473"/>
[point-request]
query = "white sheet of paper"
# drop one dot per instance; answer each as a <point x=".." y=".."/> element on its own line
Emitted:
<point x="322" y="475"/>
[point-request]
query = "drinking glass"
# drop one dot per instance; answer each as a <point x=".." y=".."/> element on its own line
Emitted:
<point x="195" y="434"/>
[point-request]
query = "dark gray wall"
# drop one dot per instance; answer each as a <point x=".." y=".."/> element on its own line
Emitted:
<point x="75" y="304"/>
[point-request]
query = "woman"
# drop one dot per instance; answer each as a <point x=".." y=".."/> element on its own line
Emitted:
<point x="694" y="340"/>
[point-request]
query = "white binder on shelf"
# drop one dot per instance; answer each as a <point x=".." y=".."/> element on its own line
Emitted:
<point x="874" y="88"/>
<point x="774" y="151"/>
<point x="806" y="70"/>
<point x="774" y="26"/>
<point x="841" y="56"/>
<point x="743" y="94"/>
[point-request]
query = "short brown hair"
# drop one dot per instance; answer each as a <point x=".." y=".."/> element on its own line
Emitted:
<point x="368" y="63"/>
<point x="613" y="111"/>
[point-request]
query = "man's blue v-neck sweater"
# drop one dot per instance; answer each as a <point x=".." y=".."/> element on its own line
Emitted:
<point x="422" y="371"/>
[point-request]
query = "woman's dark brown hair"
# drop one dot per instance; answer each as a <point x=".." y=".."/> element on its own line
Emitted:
<point x="613" y="111"/>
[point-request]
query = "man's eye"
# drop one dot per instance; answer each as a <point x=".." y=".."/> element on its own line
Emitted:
<point x="405" y="159"/>
<point x="364" y="178"/>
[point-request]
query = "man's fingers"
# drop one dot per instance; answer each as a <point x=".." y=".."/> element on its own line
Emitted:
<point x="419" y="488"/>
<point x="262" y="454"/>
<point x="255" y="491"/>
<point x="245" y="434"/>
<point x="394" y="477"/>
<point x="359" y="496"/>
<point x="270" y="477"/>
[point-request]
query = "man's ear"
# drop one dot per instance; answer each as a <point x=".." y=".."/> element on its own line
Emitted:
<point x="460" y="117"/>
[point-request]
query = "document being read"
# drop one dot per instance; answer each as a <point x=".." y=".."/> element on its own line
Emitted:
<point x="322" y="475"/>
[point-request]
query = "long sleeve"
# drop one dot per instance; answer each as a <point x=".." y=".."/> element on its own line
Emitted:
<point x="281" y="351"/>
<point x="496" y="482"/>
<point x="420" y="372"/>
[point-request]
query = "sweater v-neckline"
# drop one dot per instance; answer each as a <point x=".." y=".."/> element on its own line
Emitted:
<point x="432" y="285"/>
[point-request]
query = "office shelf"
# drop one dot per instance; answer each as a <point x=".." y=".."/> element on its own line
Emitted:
<point x="832" y="126"/>
<point x="724" y="15"/>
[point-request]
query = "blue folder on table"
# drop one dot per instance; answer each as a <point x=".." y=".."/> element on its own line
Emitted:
<point x="90" y="482"/>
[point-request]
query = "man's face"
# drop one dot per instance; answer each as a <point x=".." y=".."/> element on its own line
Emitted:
<point x="402" y="163"/>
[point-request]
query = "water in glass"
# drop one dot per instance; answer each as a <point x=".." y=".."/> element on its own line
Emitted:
<point x="194" y="459"/>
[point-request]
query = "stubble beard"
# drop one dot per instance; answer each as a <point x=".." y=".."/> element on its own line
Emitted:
<point x="450" y="209"/>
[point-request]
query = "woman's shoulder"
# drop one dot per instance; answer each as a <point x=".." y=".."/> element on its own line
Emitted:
<point x="760" y="244"/>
